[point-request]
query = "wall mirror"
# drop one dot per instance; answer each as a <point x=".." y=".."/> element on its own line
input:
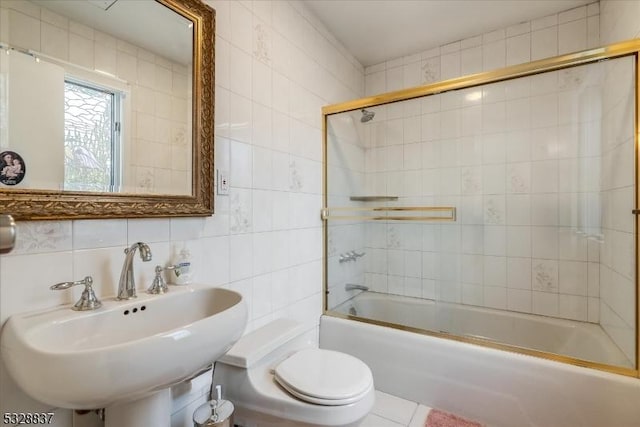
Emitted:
<point x="107" y="108"/>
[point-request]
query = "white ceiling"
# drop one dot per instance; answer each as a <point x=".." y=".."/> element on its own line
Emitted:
<point x="379" y="30"/>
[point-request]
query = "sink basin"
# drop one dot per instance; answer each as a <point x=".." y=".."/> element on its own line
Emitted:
<point x="124" y="350"/>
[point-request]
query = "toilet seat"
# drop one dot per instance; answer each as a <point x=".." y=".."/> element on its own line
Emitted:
<point x="324" y="377"/>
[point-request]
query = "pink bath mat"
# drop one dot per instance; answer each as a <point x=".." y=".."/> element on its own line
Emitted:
<point x="437" y="418"/>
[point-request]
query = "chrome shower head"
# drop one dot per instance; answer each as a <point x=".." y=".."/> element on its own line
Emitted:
<point x="367" y="115"/>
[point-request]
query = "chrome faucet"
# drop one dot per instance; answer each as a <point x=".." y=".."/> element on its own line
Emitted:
<point x="350" y="256"/>
<point x="159" y="286"/>
<point x="88" y="300"/>
<point x="127" y="284"/>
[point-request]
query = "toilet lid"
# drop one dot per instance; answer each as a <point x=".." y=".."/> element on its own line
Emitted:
<point x="324" y="377"/>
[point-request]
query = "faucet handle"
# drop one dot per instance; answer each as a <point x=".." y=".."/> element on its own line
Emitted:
<point x="158" y="286"/>
<point x="88" y="299"/>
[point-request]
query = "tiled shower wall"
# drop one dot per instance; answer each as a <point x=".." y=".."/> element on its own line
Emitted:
<point x="619" y="20"/>
<point x="618" y="253"/>
<point x="159" y="160"/>
<point x="573" y="30"/>
<point x="522" y="161"/>
<point x="276" y="66"/>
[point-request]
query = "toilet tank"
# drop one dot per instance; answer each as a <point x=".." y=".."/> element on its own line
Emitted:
<point x="272" y="342"/>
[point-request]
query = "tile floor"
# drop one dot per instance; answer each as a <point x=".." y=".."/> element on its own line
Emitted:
<point x="392" y="411"/>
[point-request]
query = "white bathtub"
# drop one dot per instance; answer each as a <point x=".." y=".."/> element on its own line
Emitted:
<point x="498" y="388"/>
<point x="580" y="340"/>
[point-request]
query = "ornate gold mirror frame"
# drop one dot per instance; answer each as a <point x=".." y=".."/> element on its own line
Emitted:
<point x="627" y="48"/>
<point x="51" y="204"/>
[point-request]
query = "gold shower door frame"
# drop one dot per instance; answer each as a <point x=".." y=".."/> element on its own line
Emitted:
<point x="626" y="48"/>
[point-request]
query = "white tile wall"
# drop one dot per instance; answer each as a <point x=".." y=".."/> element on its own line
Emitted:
<point x="276" y="66"/>
<point x="616" y="282"/>
<point x="569" y="31"/>
<point x="523" y="225"/>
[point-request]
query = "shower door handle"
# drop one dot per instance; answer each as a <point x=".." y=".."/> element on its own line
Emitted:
<point x="7" y="233"/>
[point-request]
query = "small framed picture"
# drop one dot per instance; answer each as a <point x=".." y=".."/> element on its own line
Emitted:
<point x="12" y="168"/>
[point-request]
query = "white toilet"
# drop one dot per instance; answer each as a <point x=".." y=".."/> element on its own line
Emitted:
<point x="276" y="377"/>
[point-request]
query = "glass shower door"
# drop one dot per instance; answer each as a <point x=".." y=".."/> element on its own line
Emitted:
<point x="500" y="213"/>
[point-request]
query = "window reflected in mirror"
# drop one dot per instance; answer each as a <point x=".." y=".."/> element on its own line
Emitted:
<point x="92" y="142"/>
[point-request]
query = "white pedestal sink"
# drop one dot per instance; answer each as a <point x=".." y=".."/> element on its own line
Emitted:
<point x="124" y="356"/>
